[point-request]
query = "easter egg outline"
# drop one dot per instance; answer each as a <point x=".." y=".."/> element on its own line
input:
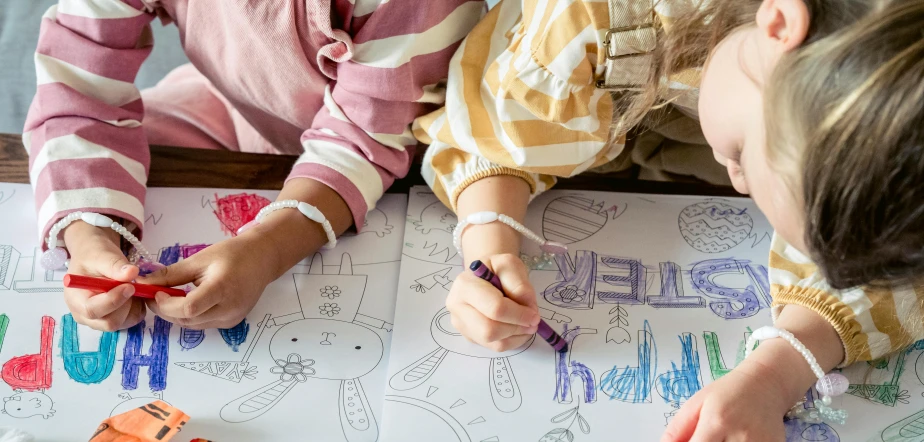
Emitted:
<point x="714" y="226"/>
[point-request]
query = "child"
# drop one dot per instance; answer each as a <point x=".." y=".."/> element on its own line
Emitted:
<point x="337" y="81"/>
<point x="815" y="110"/>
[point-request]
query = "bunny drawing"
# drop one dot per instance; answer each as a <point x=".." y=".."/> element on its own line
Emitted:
<point x="324" y="341"/>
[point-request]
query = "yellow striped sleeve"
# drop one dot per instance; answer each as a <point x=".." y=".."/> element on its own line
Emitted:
<point x="872" y="322"/>
<point x="521" y="99"/>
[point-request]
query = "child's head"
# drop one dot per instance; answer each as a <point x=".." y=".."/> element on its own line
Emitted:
<point x="817" y="109"/>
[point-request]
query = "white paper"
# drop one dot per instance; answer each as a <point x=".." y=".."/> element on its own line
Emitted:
<point x="641" y="344"/>
<point x="330" y="322"/>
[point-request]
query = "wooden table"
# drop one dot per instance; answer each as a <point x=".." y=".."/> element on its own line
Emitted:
<point x="182" y="167"/>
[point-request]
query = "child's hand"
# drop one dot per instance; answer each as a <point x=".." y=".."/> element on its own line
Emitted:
<point x="229" y="276"/>
<point x="95" y="252"/>
<point x="484" y="316"/>
<point x="743" y="406"/>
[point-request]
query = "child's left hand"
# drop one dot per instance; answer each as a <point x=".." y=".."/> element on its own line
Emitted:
<point x="742" y="406"/>
<point x="229" y="276"/>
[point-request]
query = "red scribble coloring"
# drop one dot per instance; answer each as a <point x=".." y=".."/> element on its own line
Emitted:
<point x="32" y="372"/>
<point x="236" y="210"/>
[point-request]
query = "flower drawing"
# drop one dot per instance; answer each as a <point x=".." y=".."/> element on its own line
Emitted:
<point x="293" y="368"/>
<point x="330" y="291"/>
<point x="330" y="309"/>
<point x="571" y="294"/>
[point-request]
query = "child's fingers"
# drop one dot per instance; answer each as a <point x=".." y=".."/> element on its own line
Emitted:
<point x="515" y="280"/>
<point x="197" y="302"/>
<point x="183" y="272"/>
<point x="685" y="422"/>
<point x="482" y="330"/>
<point x="101" y="305"/>
<point x="710" y="431"/>
<point x="111" y="263"/>
<point x="492" y="304"/>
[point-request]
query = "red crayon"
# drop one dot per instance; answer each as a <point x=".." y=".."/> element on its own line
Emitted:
<point x="545" y="331"/>
<point x="102" y="285"/>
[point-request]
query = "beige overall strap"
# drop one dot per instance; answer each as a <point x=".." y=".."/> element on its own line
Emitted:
<point x="628" y="45"/>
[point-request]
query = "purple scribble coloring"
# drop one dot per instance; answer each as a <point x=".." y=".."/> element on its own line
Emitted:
<point x="578" y="371"/>
<point x="156" y="360"/>
<point x="703" y="276"/>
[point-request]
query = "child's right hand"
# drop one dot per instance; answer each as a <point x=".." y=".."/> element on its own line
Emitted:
<point x="485" y="316"/>
<point x="95" y="252"/>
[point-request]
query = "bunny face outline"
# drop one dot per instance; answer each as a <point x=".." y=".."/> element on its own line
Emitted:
<point x="23" y="405"/>
<point x="446" y="336"/>
<point x="339" y="350"/>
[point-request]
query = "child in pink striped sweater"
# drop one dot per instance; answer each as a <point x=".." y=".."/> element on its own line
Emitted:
<point x="336" y="81"/>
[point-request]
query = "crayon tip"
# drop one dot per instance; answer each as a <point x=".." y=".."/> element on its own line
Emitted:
<point x="474" y="265"/>
<point x="564" y="348"/>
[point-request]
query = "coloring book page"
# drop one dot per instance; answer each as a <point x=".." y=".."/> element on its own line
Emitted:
<point x="308" y="363"/>
<point x="655" y="298"/>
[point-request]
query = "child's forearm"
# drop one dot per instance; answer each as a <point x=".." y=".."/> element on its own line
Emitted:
<point x="291" y="236"/>
<point x="504" y="194"/>
<point x="777" y="362"/>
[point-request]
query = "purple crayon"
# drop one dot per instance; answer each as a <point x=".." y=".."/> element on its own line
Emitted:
<point x="554" y="339"/>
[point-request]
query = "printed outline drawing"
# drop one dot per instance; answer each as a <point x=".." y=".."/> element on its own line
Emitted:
<point x="9" y="260"/>
<point x="3" y="193"/>
<point x="571" y="219"/>
<point x="443" y="415"/>
<point x="380" y="225"/>
<point x="909" y="429"/>
<point x="437" y="247"/>
<point x="39" y="280"/>
<point x="574" y="413"/>
<point x="299" y="331"/>
<point x="723" y="304"/>
<point x="429" y="281"/>
<point x="43" y="405"/>
<point x="130" y="403"/>
<point x="706" y="226"/>
<point x="888" y="393"/>
<point x="233" y="371"/>
<point x="449" y="340"/>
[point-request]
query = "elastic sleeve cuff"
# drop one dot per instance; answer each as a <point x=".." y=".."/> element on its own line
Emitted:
<point x="838" y="314"/>
<point x="486" y="173"/>
<point x="340" y="184"/>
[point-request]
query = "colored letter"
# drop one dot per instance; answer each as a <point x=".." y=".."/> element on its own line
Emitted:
<point x="9" y="258"/>
<point x="682" y="383"/>
<point x="737" y="303"/>
<point x="32" y="372"/>
<point x="633" y="384"/>
<point x="4" y="322"/>
<point x="672" y="290"/>
<point x="616" y="274"/>
<point x="89" y="367"/>
<point x="714" y="353"/>
<point x="575" y="289"/>
<point x="235" y="336"/>
<point x="155" y="360"/>
<point x="565" y="376"/>
<point x="889" y="370"/>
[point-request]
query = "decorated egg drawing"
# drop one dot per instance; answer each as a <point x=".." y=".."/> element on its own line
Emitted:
<point x="714" y="226"/>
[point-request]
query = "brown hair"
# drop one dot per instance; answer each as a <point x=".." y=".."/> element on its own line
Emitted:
<point x="845" y="126"/>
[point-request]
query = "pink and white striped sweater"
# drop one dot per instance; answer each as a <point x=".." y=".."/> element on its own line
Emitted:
<point x="336" y="81"/>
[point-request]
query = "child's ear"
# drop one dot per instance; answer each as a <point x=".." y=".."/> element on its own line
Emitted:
<point x="785" y="22"/>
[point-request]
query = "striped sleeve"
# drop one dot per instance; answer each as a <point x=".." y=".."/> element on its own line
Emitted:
<point x="390" y="72"/>
<point x="521" y="99"/>
<point x="87" y="150"/>
<point x="872" y="322"/>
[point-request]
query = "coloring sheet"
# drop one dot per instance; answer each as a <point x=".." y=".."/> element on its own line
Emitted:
<point x="656" y="297"/>
<point x="308" y="363"/>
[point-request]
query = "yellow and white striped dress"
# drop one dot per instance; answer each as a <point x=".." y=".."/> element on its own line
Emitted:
<point x="522" y="101"/>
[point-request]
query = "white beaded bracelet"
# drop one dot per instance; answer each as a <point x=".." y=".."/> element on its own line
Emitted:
<point x="828" y="385"/>
<point x="549" y="248"/>
<point x="55" y="258"/>
<point x="310" y="212"/>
